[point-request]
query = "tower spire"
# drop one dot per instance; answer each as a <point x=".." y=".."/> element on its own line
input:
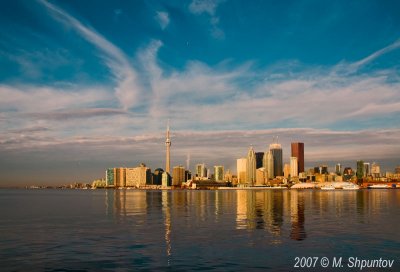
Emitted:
<point x="167" y="144"/>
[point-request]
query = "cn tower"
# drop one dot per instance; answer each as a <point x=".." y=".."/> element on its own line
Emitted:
<point x="167" y="144"/>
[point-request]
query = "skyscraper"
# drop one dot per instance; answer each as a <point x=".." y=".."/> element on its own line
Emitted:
<point x="268" y="164"/>
<point x="293" y="167"/>
<point x="241" y="165"/>
<point x="375" y="170"/>
<point x="201" y="170"/>
<point x="298" y="152"/>
<point x="251" y="167"/>
<point x="338" y="169"/>
<point x="178" y="175"/>
<point x="360" y="169"/>
<point x="259" y="159"/>
<point x="276" y="150"/>
<point x="219" y="173"/>
<point x="367" y="169"/>
<point x="167" y="144"/>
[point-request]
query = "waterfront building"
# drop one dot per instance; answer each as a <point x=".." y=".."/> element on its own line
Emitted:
<point x="347" y="173"/>
<point x="268" y="164"/>
<point x="201" y="170"/>
<point x="276" y="150"/>
<point x="259" y="159"/>
<point x="286" y="170"/>
<point x="338" y="169"/>
<point x="138" y="176"/>
<point x="375" y="170"/>
<point x="293" y="167"/>
<point x="178" y="175"/>
<point x="228" y="176"/>
<point x="120" y="177"/>
<point x="110" y="177"/>
<point x="360" y="170"/>
<point x="157" y="176"/>
<point x="322" y="169"/>
<point x="251" y="167"/>
<point x="367" y="169"/>
<point x="166" y="180"/>
<point x="241" y="165"/>
<point x="261" y="176"/>
<point x="218" y="173"/>
<point x="167" y="145"/>
<point x="298" y="152"/>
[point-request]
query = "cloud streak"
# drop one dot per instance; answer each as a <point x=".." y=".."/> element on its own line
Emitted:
<point x="128" y="88"/>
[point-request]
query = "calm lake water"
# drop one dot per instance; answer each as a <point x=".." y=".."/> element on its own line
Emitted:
<point x="225" y="230"/>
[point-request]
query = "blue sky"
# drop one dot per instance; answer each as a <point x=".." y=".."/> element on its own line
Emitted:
<point x="83" y="81"/>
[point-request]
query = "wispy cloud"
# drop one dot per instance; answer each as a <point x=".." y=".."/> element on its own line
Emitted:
<point x="208" y="7"/>
<point x="299" y="99"/>
<point x="128" y="88"/>
<point x="375" y="55"/>
<point x="162" y="18"/>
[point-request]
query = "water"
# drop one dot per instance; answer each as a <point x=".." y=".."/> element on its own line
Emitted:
<point x="226" y="230"/>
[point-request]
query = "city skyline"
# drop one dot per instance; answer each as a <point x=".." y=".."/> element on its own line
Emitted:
<point x="90" y="86"/>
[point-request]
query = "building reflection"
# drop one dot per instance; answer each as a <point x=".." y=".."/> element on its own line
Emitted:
<point x="266" y="209"/>
<point x="297" y="231"/>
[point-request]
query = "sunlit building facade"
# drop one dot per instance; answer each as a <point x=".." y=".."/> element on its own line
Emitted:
<point x="219" y="173"/>
<point x="251" y="167"/>
<point x="120" y="177"/>
<point x="138" y="176"/>
<point x="293" y="167"/>
<point x="241" y="165"/>
<point x="276" y="150"/>
<point x="268" y="164"/>
<point x="298" y="152"/>
<point x="178" y="175"/>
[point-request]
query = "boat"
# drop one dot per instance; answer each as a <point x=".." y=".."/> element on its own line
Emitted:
<point x="351" y="187"/>
<point x="378" y="186"/>
<point x="328" y="187"/>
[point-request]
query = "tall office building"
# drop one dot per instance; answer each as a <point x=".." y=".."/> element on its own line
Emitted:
<point x="219" y="173"/>
<point x="338" y="169"/>
<point x="298" y="152"/>
<point x="168" y="145"/>
<point x="120" y="177"/>
<point x="286" y="170"/>
<point x="251" y="167"/>
<point x="293" y="167"/>
<point x="110" y="177"/>
<point x="138" y="176"/>
<point x="367" y="169"/>
<point x="157" y="176"/>
<point x="268" y="164"/>
<point x="201" y="170"/>
<point x="259" y="159"/>
<point x="375" y="170"/>
<point x="276" y="150"/>
<point x="260" y="176"/>
<point x="360" y="169"/>
<point x="241" y="165"/>
<point x="178" y="175"/>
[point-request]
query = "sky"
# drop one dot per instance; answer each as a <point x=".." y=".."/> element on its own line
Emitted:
<point x="87" y="85"/>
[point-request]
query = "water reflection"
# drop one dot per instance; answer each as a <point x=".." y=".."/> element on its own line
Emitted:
<point x="167" y="222"/>
<point x="281" y="213"/>
<point x="297" y="231"/>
